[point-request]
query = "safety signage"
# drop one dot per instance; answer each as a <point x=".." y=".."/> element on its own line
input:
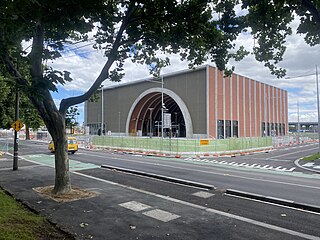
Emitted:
<point x="17" y="125"/>
<point x="204" y="142"/>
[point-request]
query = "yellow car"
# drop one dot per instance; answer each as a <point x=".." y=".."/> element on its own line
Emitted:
<point x="72" y="145"/>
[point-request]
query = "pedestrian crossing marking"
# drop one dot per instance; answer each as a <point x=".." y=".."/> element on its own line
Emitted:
<point x="244" y="165"/>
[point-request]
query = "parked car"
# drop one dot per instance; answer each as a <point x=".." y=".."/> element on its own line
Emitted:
<point x="72" y="145"/>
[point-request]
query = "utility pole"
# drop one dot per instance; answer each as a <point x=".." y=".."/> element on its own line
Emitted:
<point x="16" y="139"/>
<point x="102" y="113"/>
<point x="162" y="106"/>
<point x="318" y="106"/>
<point x="150" y="122"/>
<point x="298" y="127"/>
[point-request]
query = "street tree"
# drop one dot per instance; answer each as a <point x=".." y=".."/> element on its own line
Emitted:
<point x="197" y="30"/>
<point x="71" y="117"/>
<point x="270" y="24"/>
<point x="6" y="103"/>
<point x="27" y="113"/>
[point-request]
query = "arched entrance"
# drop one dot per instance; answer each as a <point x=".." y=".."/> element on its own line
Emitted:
<point x="144" y="117"/>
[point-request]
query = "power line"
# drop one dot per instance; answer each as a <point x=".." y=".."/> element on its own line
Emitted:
<point x="73" y="49"/>
<point x="78" y="54"/>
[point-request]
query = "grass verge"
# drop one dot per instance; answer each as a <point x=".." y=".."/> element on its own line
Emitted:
<point x="18" y="222"/>
<point x="312" y="157"/>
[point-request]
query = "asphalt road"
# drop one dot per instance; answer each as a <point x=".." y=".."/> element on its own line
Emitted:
<point x="284" y="180"/>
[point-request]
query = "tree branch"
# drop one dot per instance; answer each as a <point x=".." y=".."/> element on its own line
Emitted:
<point x="36" y="69"/>
<point x="104" y="74"/>
<point x="313" y="10"/>
<point x="13" y="70"/>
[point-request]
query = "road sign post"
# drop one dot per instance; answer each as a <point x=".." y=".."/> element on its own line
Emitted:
<point x="17" y="125"/>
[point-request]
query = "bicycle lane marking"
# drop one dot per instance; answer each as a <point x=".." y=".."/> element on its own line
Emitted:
<point x="48" y="160"/>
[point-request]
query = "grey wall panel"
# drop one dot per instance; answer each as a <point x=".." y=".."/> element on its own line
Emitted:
<point x="189" y="86"/>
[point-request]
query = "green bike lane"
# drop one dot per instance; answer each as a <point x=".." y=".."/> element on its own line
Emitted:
<point x="48" y="160"/>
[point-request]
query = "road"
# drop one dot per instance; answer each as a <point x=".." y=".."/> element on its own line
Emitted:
<point x="271" y="174"/>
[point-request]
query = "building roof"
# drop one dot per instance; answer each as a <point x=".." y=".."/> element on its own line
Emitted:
<point x="166" y="75"/>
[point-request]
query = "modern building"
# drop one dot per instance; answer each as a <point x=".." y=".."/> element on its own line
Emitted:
<point x="196" y="103"/>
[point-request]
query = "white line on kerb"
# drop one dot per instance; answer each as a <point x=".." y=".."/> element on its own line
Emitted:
<point x="229" y="215"/>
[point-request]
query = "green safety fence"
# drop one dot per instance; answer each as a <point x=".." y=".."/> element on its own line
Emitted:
<point x="180" y="145"/>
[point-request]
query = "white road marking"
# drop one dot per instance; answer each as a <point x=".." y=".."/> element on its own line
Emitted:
<point x="309" y="164"/>
<point x="290" y="153"/>
<point x="203" y="194"/>
<point x="246" y="165"/>
<point x="135" y="206"/>
<point x="214" y="211"/>
<point x="214" y="173"/>
<point x="161" y="215"/>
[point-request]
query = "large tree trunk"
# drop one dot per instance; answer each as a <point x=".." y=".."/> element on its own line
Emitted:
<point x="62" y="179"/>
<point x="57" y="130"/>
<point x="43" y="101"/>
<point x="54" y="119"/>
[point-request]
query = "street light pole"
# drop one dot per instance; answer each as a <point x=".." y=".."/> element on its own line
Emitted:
<point x="150" y="120"/>
<point x="16" y="137"/>
<point x="318" y="106"/>
<point x="102" y="110"/>
<point x="298" y="127"/>
<point x="162" y="106"/>
<point x="119" y="122"/>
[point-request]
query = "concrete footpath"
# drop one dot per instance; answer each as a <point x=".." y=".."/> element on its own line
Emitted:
<point x="124" y="212"/>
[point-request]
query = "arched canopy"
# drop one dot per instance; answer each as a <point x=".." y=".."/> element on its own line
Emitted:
<point x="145" y="113"/>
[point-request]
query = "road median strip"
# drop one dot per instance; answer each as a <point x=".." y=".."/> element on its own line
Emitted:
<point x="279" y="201"/>
<point x="161" y="177"/>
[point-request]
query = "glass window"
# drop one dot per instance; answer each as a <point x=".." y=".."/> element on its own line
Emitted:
<point x="235" y="128"/>
<point x="283" y="129"/>
<point x="228" y="128"/>
<point x="220" y="129"/>
<point x="263" y="129"/>
<point x="273" y="130"/>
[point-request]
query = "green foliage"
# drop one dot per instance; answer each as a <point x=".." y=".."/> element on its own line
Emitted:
<point x="28" y="113"/>
<point x="71" y="116"/>
<point x="7" y="101"/>
<point x="270" y="24"/>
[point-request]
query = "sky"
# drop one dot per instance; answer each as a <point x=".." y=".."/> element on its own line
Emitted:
<point x="300" y="59"/>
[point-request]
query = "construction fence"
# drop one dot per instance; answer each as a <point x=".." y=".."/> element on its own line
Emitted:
<point x="180" y="146"/>
<point x="174" y="146"/>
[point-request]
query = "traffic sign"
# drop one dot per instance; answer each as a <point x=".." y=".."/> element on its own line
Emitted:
<point x="17" y="125"/>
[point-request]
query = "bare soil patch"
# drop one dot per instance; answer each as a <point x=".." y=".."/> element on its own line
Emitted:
<point x="75" y="194"/>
